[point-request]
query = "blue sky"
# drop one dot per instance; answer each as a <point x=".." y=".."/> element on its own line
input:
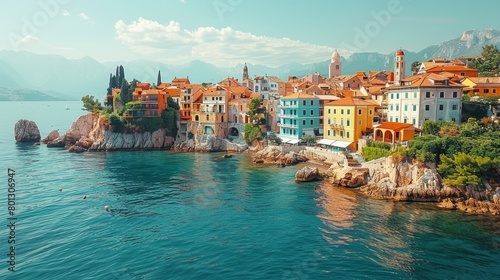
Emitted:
<point x="228" y="32"/>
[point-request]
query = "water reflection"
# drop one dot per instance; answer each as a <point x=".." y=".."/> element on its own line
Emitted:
<point x="339" y="206"/>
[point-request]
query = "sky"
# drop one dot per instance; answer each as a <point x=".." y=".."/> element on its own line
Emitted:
<point x="231" y="32"/>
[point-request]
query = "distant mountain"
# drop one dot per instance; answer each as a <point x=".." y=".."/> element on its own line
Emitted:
<point x="25" y="95"/>
<point x="59" y="77"/>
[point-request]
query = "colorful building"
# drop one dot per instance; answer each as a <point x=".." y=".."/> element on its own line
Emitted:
<point x="394" y="133"/>
<point x="482" y="86"/>
<point x="346" y="120"/>
<point x="424" y="97"/>
<point x="152" y="103"/>
<point x="299" y="116"/>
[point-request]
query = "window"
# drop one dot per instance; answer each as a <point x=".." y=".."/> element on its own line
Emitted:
<point x="329" y="121"/>
<point x="312" y="112"/>
<point x="397" y="119"/>
<point x="486" y="90"/>
<point x="304" y="102"/>
<point x="328" y="132"/>
<point x="441" y="94"/>
<point x="359" y="112"/>
<point x="413" y="121"/>
<point x="391" y="108"/>
<point x="397" y="107"/>
<point x="312" y="102"/>
<point x="390" y="119"/>
<point x="392" y="95"/>
<point x="337" y="67"/>
<point x="303" y="122"/>
<point x="494" y="90"/>
<point x="455" y="94"/>
<point x="312" y="122"/>
<point x="406" y="94"/>
<point x="334" y="133"/>
<point x="335" y="111"/>
<point x="328" y="111"/>
<point x="341" y="111"/>
<point x="406" y="107"/>
<point x="428" y="95"/>
<point x="347" y="134"/>
<point x="427" y="107"/>
<point x="341" y="134"/>
<point x="303" y="112"/>
<point x="348" y="111"/>
<point x="348" y="122"/>
<point x="414" y="95"/>
<point x="397" y="95"/>
<point x="342" y="122"/>
<point x="414" y="108"/>
<point x="454" y="107"/>
<point x="441" y="107"/>
<point x="371" y="112"/>
<point x="462" y="73"/>
<point x="360" y="122"/>
<point x="405" y="120"/>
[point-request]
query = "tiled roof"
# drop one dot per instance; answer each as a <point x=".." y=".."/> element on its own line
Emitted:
<point x="485" y="80"/>
<point x="300" y="95"/>
<point x="426" y="80"/>
<point x="349" y="101"/>
<point x="395" y="126"/>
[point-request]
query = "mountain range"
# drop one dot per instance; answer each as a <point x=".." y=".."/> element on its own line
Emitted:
<point x="30" y="76"/>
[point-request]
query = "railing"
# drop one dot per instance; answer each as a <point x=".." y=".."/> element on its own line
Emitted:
<point x="288" y="125"/>
<point x="289" y="116"/>
<point x="288" y="106"/>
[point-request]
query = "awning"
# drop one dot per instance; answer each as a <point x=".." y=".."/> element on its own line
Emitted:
<point x="289" y="141"/>
<point x="327" y="142"/>
<point x="341" y="144"/>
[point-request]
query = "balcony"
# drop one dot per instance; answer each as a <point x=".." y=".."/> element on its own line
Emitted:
<point x="336" y="126"/>
<point x="288" y="106"/>
<point x="287" y="125"/>
<point x="289" y="116"/>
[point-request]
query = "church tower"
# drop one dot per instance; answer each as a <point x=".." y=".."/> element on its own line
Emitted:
<point x="335" y="65"/>
<point x="245" y="72"/>
<point x="399" y="67"/>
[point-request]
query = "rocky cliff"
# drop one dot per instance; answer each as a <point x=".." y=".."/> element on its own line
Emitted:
<point x="91" y="132"/>
<point x="389" y="178"/>
<point x="209" y="143"/>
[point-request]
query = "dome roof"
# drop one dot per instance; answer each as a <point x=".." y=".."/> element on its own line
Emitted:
<point x="335" y="56"/>
<point x="400" y="52"/>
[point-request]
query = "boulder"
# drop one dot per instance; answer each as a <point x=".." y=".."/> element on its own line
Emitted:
<point x="76" y="149"/>
<point x="59" y="142"/>
<point x="306" y="174"/>
<point x="355" y="178"/>
<point x="26" y="131"/>
<point x="53" y="135"/>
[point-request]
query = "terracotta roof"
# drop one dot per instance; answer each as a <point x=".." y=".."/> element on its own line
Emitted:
<point x="485" y="80"/>
<point x="395" y="126"/>
<point x="400" y="52"/>
<point x="426" y="80"/>
<point x="300" y="95"/>
<point x="349" y="101"/>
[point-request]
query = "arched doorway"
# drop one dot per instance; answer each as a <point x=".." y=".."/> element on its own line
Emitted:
<point x="234" y="131"/>
<point x="388" y="136"/>
<point x="209" y="130"/>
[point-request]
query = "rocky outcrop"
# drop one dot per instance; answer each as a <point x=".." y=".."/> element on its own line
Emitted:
<point x="307" y="174"/>
<point x="26" y="131"/>
<point x="388" y="178"/>
<point x="209" y="143"/>
<point x="53" y="135"/>
<point x="274" y="155"/>
<point x="82" y="127"/>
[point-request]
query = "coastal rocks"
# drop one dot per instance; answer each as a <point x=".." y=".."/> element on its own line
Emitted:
<point x="351" y="177"/>
<point x="307" y="174"/>
<point x="26" y="131"/>
<point x="81" y="127"/>
<point x="53" y="135"/>
<point x="275" y="155"/>
<point x="59" y="142"/>
<point x="208" y="143"/>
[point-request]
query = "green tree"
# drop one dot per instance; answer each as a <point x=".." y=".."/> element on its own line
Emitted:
<point x="415" y="66"/>
<point x="253" y="109"/>
<point x="252" y="132"/>
<point x="124" y="93"/>
<point x="462" y="169"/>
<point x="110" y="86"/>
<point x="274" y="139"/>
<point x="489" y="62"/>
<point x="169" y="117"/>
<point x="121" y="76"/>
<point x="430" y="128"/>
<point x="172" y="104"/>
<point x="90" y="104"/>
<point x="158" y="80"/>
<point x="309" y="139"/>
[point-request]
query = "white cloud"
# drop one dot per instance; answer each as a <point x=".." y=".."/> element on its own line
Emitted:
<point x="28" y="39"/>
<point x="66" y="13"/>
<point x="222" y="47"/>
<point x="86" y="18"/>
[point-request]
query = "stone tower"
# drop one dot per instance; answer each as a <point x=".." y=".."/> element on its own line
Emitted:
<point x="399" y="67"/>
<point x="245" y="72"/>
<point x="335" y="65"/>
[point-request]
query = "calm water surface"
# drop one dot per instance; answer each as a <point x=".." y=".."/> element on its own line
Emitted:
<point x="196" y="216"/>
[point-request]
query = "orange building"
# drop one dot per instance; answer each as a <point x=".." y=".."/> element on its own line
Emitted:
<point x="152" y="103"/>
<point x="482" y="86"/>
<point x="454" y="69"/>
<point x="394" y="132"/>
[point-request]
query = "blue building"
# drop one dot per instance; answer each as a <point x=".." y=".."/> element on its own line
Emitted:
<point x="299" y="116"/>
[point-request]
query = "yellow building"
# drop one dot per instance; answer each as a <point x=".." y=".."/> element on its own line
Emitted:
<point x="346" y="120"/>
<point x="482" y="86"/>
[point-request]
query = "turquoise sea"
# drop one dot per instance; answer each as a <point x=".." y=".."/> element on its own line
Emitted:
<point x="197" y="216"/>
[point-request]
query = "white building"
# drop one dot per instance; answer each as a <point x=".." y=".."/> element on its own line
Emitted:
<point x="424" y="97"/>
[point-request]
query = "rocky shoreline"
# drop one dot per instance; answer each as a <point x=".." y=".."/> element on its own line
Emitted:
<point x="385" y="178"/>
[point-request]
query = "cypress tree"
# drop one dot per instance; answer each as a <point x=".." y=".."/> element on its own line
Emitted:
<point x="110" y="83"/>
<point x="158" y="81"/>
<point x="121" y="78"/>
<point x="124" y="92"/>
